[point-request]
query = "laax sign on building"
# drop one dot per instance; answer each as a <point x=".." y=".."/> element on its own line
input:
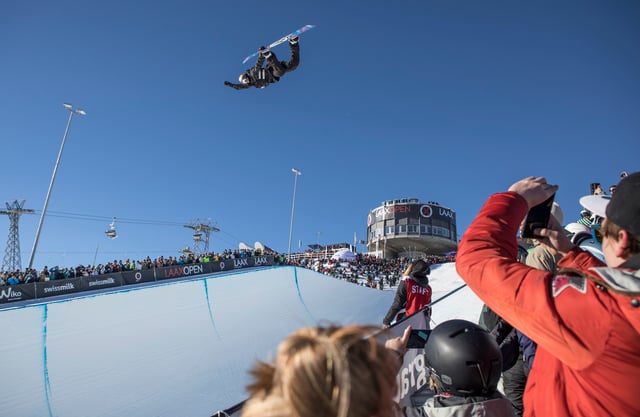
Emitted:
<point x="414" y="211"/>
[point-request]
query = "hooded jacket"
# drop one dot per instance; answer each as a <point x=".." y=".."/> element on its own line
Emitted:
<point x="585" y="319"/>
<point x="413" y="293"/>
<point x="261" y="77"/>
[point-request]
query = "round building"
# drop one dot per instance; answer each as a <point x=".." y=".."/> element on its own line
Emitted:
<point x="409" y="228"/>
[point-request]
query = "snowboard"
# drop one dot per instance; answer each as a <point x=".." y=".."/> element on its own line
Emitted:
<point x="283" y="39"/>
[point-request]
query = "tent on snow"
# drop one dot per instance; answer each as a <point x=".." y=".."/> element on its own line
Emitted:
<point x="345" y="255"/>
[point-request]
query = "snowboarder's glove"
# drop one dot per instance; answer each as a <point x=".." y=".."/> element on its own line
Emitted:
<point x="234" y="86"/>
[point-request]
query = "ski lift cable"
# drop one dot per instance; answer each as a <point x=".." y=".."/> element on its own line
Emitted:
<point x="121" y="220"/>
<point x="90" y="217"/>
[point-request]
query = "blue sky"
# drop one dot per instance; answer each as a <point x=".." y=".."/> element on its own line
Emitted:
<point x="444" y="101"/>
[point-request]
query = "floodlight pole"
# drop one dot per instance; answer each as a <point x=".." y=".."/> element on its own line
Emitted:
<point x="72" y="112"/>
<point x="293" y="206"/>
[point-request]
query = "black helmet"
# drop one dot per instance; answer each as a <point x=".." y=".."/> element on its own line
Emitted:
<point x="465" y="358"/>
<point x="419" y="269"/>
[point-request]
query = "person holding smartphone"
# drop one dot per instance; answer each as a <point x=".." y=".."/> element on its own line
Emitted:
<point x="540" y="257"/>
<point x="585" y="318"/>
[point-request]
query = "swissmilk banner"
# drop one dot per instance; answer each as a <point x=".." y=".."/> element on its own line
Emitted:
<point x="58" y="287"/>
<point x="95" y="282"/>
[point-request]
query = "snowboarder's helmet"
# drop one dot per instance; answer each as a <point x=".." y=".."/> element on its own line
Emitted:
<point x="464" y="358"/>
<point x="243" y="78"/>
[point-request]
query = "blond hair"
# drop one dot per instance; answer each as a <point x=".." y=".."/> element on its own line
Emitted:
<point x="408" y="270"/>
<point x="326" y="371"/>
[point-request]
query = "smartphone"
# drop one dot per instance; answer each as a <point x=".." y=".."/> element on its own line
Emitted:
<point x="538" y="217"/>
<point x="418" y="339"/>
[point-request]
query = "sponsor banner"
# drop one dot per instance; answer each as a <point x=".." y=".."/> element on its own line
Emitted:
<point x="178" y="271"/>
<point x="137" y="277"/>
<point x="262" y="260"/>
<point x="57" y="287"/>
<point x="208" y="267"/>
<point x="19" y="292"/>
<point x="413" y="376"/>
<point x="222" y="265"/>
<point x="32" y="291"/>
<point x="241" y="262"/>
<point x="238" y="263"/>
<point x="96" y="282"/>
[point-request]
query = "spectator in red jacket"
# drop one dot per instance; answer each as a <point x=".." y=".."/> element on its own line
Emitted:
<point x="585" y="318"/>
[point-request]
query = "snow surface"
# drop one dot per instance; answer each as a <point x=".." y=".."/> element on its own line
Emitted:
<point x="181" y="348"/>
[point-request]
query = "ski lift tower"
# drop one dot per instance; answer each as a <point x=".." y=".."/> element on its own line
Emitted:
<point x="12" y="260"/>
<point x="201" y="233"/>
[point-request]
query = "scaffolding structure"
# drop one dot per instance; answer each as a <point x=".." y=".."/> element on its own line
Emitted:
<point x="12" y="261"/>
<point x="201" y="233"/>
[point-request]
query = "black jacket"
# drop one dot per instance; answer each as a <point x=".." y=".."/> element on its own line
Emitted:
<point x="504" y="334"/>
<point x="260" y="77"/>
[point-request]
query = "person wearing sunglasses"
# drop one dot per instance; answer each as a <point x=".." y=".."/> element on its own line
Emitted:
<point x="585" y="318"/>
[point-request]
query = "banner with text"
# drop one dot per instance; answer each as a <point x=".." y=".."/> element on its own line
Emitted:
<point x="58" y="287"/>
<point x="97" y="282"/>
<point x="9" y="294"/>
<point x="20" y="292"/>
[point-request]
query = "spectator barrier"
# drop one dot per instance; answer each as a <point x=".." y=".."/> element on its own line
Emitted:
<point x="39" y="290"/>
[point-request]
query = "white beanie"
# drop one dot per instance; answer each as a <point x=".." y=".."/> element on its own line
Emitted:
<point x="556" y="212"/>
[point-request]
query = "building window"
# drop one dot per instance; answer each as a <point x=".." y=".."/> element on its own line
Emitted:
<point x="440" y="231"/>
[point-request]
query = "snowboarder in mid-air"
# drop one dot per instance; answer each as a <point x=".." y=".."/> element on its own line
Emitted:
<point x="259" y="76"/>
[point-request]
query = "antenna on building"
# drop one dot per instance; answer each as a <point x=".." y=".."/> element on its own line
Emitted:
<point x="12" y="260"/>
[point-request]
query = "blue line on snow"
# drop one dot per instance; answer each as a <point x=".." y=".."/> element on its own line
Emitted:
<point x="47" y="384"/>
<point x="295" y="275"/>
<point x="206" y="294"/>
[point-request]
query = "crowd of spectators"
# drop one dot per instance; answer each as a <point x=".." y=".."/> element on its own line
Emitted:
<point x="366" y="270"/>
<point x="56" y="273"/>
